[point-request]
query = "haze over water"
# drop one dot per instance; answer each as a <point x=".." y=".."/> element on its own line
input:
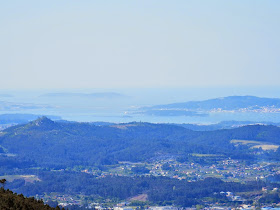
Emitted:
<point x="123" y="108"/>
<point x="152" y="52"/>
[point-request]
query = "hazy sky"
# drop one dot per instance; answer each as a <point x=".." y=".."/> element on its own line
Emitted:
<point x="147" y="43"/>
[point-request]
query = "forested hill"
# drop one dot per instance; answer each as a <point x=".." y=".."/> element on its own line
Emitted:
<point x="10" y="200"/>
<point x="44" y="142"/>
<point x="226" y="103"/>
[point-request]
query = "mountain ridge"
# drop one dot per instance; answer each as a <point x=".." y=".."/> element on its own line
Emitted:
<point x="224" y="102"/>
<point x="10" y="200"/>
<point x="50" y="143"/>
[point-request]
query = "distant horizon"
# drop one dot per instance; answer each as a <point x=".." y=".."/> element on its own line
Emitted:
<point x="175" y="93"/>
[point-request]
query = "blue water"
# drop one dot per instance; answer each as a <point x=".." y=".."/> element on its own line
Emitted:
<point x="120" y="109"/>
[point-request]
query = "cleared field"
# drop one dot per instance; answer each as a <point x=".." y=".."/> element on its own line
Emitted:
<point x="256" y="144"/>
<point x="27" y="178"/>
<point x="267" y="147"/>
<point x="205" y="155"/>
<point x="142" y="197"/>
<point x="246" y="141"/>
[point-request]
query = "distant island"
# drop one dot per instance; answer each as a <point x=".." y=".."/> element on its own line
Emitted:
<point x="100" y="95"/>
<point x="231" y="104"/>
<point x="11" y="106"/>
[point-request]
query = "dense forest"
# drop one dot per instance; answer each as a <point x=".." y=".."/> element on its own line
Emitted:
<point x="10" y="200"/>
<point x="63" y="144"/>
<point x="160" y="190"/>
<point x="52" y="150"/>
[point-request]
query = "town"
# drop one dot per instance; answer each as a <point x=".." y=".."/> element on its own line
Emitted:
<point x="226" y="169"/>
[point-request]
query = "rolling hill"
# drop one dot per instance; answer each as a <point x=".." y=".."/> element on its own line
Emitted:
<point x="230" y="103"/>
<point x="62" y="144"/>
<point x="10" y="200"/>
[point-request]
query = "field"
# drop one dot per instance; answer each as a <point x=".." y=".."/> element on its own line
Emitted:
<point x="256" y="144"/>
<point x="27" y="178"/>
<point x="142" y="197"/>
<point x="205" y="155"/>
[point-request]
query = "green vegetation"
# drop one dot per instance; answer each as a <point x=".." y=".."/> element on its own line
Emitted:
<point x="160" y="190"/>
<point x="26" y="178"/>
<point x="44" y="143"/>
<point x="184" y="167"/>
<point x="10" y="200"/>
<point x="256" y="144"/>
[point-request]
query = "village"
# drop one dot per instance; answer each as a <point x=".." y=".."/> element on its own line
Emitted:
<point x="225" y="168"/>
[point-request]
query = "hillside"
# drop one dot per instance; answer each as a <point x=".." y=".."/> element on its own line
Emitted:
<point x="10" y="200"/>
<point x="44" y="142"/>
<point x="223" y="125"/>
<point x="119" y="161"/>
<point x="159" y="190"/>
<point x="230" y="103"/>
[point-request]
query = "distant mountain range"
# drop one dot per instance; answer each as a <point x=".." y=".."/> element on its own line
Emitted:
<point x="225" y="104"/>
<point x="61" y="144"/>
<point x="12" y="106"/>
<point x="104" y="95"/>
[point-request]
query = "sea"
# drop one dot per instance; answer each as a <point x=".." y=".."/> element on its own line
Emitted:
<point x="79" y="105"/>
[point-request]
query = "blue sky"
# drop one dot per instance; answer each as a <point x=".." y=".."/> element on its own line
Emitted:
<point x="135" y="44"/>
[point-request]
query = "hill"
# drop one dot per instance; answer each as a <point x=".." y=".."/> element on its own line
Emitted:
<point x="223" y="125"/>
<point x="227" y="103"/>
<point x="230" y="103"/>
<point x="10" y="200"/>
<point x="44" y="142"/>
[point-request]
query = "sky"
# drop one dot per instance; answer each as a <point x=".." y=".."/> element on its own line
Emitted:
<point x="139" y="44"/>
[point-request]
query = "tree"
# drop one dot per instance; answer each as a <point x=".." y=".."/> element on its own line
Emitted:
<point x="3" y="182"/>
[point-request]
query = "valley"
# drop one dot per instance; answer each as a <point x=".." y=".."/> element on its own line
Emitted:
<point x="88" y="164"/>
